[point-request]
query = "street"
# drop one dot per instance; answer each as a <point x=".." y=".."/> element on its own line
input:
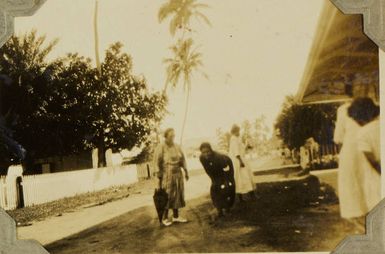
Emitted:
<point x="131" y="226"/>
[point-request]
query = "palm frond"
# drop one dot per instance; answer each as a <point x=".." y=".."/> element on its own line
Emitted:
<point x="200" y="5"/>
<point x="168" y="9"/>
<point x="203" y="17"/>
<point x="174" y="24"/>
<point x="182" y="12"/>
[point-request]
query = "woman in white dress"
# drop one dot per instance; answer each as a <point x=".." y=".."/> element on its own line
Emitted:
<point x="242" y="172"/>
<point x="350" y="187"/>
<point x="365" y="113"/>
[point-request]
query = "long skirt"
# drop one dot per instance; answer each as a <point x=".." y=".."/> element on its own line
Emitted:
<point x="173" y="184"/>
<point x="223" y="193"/>
<point x="243" y="177"/>
<point x="372" y="186"/>
<point x="351" y="182"/>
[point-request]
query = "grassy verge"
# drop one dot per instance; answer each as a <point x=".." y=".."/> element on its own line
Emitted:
<point x="28" y="215"/>
<point x="25" y="216"/>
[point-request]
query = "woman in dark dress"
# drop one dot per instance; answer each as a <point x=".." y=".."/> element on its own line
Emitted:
<point x="219" y="168"/>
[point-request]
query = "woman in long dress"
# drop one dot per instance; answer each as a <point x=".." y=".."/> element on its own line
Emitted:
<point x="242" y="172"/>
<point x="350" y="188"/>
<point x="171" y="161"/>
<point x="365" y="113"/>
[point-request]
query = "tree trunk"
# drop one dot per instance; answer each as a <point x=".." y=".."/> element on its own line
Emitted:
<point x="165" y="89"/>
<point x="185" y="115"/>
<point x="97" y="57"/>
<point x="102" y="155"/>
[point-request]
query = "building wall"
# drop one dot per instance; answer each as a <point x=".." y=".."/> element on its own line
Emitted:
<point x="65" y="163"/>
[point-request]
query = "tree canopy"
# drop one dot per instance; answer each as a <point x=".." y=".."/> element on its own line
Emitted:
<point x="254" y="136"/>
<point x="66" y="106"/>
<point x="296" y="122"/>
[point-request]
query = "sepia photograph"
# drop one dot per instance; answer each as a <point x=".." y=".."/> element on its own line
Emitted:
<point x="189" y="126"/>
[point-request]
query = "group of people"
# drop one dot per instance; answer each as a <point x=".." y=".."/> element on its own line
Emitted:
<point x="357" y="131"/>
<point x="359" y="180"/>
<point x="230" y="174"/>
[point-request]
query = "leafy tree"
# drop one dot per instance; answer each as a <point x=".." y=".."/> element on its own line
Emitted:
<point x="66" y="106"/>
<point x="223" y="140"/>
<point x="296" y="122"/>
<point x="119" y="110"/>
<point x="261" y="133"/>
<point x="24" y="60"/>
<point x="247" y="135"/>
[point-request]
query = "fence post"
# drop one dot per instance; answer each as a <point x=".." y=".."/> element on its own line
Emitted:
<point x="20" y="192"/>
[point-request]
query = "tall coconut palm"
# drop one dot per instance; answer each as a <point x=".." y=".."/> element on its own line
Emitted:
<point x="181" y="12"/>
<point x="180" y="67"/>
<point x="101" y="153"/>
<point x="96" y="37"/>
<point x="185" y="60"/>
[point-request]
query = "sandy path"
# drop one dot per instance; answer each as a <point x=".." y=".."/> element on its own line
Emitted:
<point x="259" y="226"/>
<point x="55" y="228"/>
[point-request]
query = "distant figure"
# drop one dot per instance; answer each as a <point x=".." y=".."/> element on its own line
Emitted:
<point x="170" y="161"/>
<point x="365" y="113"/>
<point x="350" y="190"/>
<point x="219" y="168"/>
<point x="242" y="173"/>
<point x="295" y="156"/>
<point x="314" y="154"/>
<point x="304" y="158"/>
<point x="285" y="155"/>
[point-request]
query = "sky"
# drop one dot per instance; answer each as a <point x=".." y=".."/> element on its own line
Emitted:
<point x="254" y="52"/>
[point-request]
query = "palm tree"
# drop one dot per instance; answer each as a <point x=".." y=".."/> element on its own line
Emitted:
<point x="96" y="37"/>
<point x="182" y="11"/>
<point x="185" y="60"/>
<point x="182" y="65"/>
<point x="101" y="153"/>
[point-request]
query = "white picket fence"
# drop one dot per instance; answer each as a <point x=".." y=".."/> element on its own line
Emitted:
<point x="38" y="189"/>
<point x="43" y="188"/>
<point x="3" y="193"/>
<point x="8" y="193"/>
<point x="149" y="169"/>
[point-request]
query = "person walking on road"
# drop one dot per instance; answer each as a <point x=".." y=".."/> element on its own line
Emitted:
<point x="170" y="161"/>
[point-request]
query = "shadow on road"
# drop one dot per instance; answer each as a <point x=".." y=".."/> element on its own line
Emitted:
<point x="271" y="222"/>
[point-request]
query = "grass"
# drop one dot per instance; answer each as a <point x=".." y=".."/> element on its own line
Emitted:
<point x="26" y="216"/>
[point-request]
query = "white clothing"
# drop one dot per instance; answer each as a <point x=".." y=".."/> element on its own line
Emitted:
<point x="242" y="175"/>
<point x="304" y="157"/>
<point x="369" y="141"/>
<point x="350" y="173"/>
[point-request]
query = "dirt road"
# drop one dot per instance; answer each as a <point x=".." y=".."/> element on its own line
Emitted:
<point x="255" y="226"/>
